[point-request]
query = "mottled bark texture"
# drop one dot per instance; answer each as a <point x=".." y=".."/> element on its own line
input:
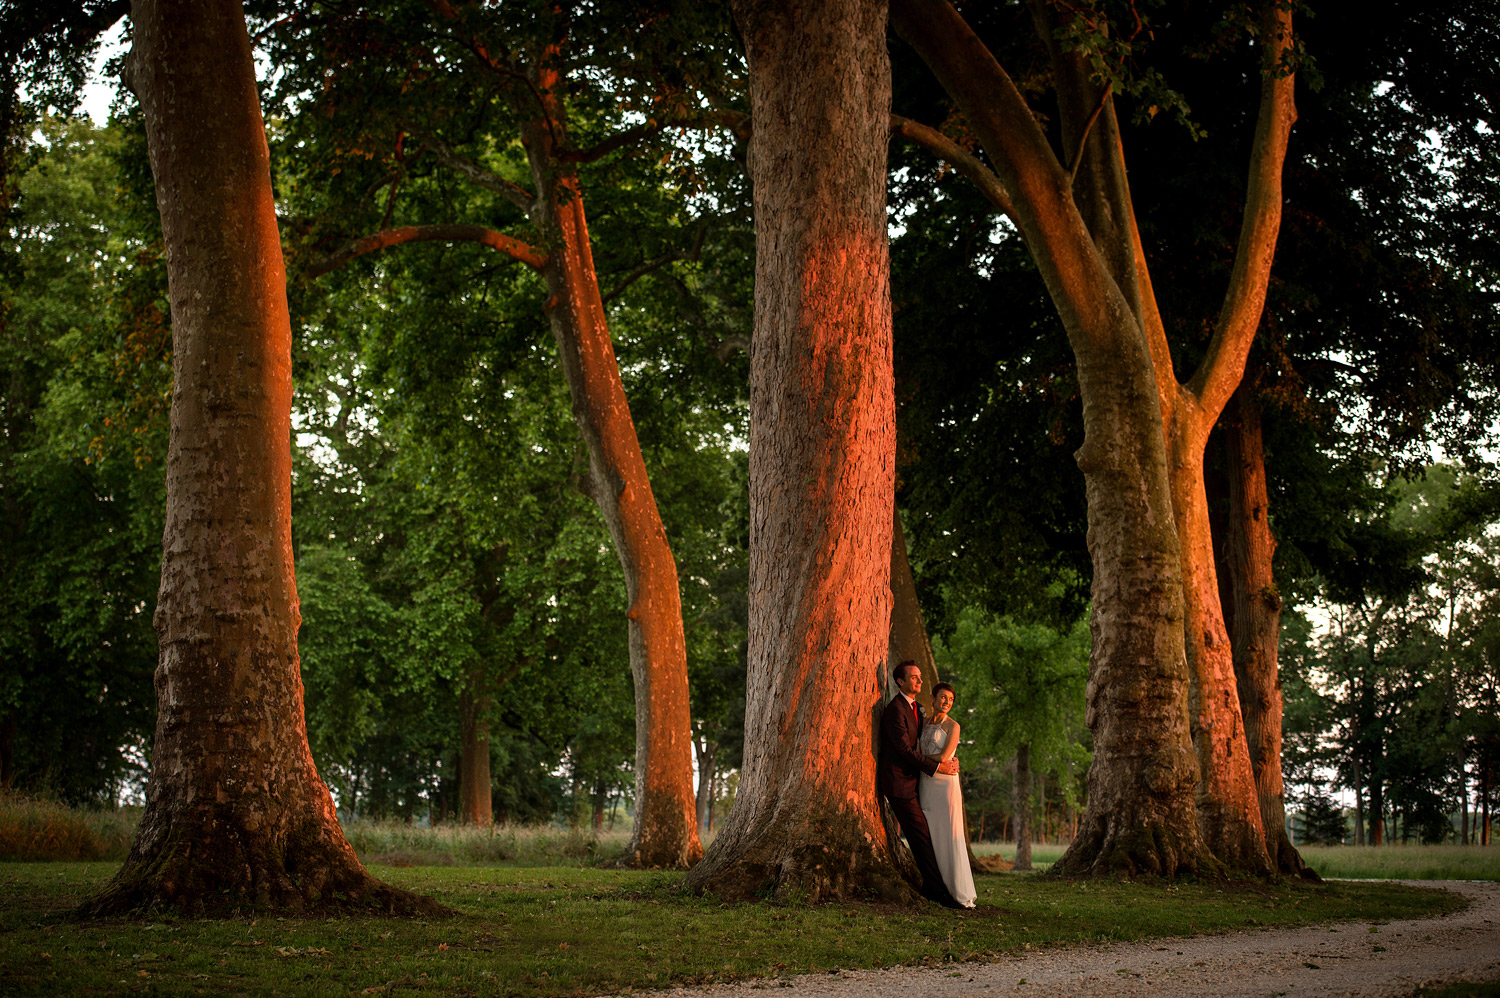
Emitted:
<point x="1253" y="611"/>
<point x="665" y="832"/>
<point x="236" y="816"/>
<point x="1141" y="816"/>
<point x="1142" y="457"/>
<point x="807" y="821"/>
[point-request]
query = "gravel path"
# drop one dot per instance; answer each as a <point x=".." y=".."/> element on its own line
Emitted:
<point x="1299" y="963"/>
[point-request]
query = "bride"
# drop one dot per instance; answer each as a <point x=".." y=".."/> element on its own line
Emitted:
<point x="943" y="803"/>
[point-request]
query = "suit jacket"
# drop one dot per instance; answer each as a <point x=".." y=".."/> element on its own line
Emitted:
<point x="900" y="764"/>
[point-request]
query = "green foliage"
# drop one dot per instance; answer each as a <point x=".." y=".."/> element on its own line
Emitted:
<point x="1405" y="679"/>
<point x="82" y="503"/>
<point x="1019" y="684"/>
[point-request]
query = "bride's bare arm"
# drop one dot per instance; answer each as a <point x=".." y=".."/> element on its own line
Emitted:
<point x="952" y="744"/>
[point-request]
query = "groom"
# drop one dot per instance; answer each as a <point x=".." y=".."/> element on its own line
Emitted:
<point x="896" y="774"/>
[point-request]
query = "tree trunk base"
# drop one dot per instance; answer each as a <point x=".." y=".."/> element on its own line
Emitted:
<point x="664" y="853"/>
<point x="1126" y="846"/>
<point x="1235" y="841"/>
<point x="1288" y="862"/>
<point x="807" y="861"/>
<point x="310" y="872"/>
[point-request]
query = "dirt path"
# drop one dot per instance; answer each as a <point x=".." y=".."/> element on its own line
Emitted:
<point x="1300" y="963"/>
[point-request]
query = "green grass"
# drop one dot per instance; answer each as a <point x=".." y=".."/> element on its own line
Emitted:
<point x="585" y="930"/>
<point x="1397" y="862"/>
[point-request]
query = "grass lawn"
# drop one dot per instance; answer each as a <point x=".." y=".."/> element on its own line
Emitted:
<point x="582" y="930"/>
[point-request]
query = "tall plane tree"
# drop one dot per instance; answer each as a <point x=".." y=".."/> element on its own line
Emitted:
<point x="822" y="445"/>
<point x="1171" y="787"/>
<point x="492" y="75"/>
<point x="236" y="815"/>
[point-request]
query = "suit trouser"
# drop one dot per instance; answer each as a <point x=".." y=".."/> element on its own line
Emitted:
<point x="914" y="826"/>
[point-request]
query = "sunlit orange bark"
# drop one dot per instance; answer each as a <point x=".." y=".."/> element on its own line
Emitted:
<point x="806" y="820"/>
<point x="236" y="816"/>
<point x="666" y="832"/>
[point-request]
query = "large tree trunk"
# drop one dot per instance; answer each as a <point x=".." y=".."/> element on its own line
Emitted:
<point x="1079" y="225"/>
<point x="822" y="446"/>
<point x="236" y="816"/>
<point x="909" y="641"/>
<point x="1141" y="816"/>
<point x="665" y="832"/>
<point x="475" y="804"/>
<point x="1254" y="613"/>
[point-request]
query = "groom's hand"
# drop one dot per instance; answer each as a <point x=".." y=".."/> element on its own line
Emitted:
<point x="948" y="767"/>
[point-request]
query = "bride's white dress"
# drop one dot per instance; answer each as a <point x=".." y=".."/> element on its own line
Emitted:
<point x="943" y="805"/>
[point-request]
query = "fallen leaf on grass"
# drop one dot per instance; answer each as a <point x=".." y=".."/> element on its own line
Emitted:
<point x="309" y="951"/>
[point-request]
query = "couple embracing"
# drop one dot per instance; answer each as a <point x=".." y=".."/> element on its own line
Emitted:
<point x="918" y="775"/>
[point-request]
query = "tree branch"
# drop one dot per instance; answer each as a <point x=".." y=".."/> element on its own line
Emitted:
<point x="511" y="247"/>
<point x="656" y="264"/>
<point x="733" y="120"/>
<point x="1224" y="363"/>
<point x="473" y="172"/>
<point x="959" y="158"/>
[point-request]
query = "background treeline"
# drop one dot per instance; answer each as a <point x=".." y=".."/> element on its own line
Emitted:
<point x="445" y="542"/>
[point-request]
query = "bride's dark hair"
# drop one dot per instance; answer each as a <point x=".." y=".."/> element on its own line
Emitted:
<point x="940" y="687"/>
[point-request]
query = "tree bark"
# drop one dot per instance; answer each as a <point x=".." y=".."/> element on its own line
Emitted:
<point x="807" y="821"/>
<point x="665" y="832"/>
<point x="1023" y="808"/>
<point x="1255" y="619"/>
<point x="475" y="804"/>
<point x="236" y="816"/>
<point x="1141" y="816"/>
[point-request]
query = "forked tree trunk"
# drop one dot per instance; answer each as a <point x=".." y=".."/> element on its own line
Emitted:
<point x="475" y="804"/>
<point x="236" y="816"/>
<point x="1079" y="224"/>
<point x="806" y="821"/>
<point x="909" y="641"/>
<point x="1255" y="615"/>
<point x="1141" y="816"/>
<point x="665" y="832"/>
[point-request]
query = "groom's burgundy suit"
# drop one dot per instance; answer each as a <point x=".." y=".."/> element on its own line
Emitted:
<point x="896" y="774"/>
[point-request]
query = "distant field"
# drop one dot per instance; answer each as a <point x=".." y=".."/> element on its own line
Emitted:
<point x="1400" y="862"/>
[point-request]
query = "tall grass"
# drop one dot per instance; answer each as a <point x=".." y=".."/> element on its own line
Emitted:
<point x="1405" y="862"/>
<point x="34" y="830"/>
<point x="396" y="843"/>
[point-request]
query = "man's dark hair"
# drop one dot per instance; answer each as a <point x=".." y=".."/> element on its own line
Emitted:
<point x="898" y="673"/>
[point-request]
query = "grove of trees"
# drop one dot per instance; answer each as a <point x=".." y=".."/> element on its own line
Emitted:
<point x="458" y="412"/>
